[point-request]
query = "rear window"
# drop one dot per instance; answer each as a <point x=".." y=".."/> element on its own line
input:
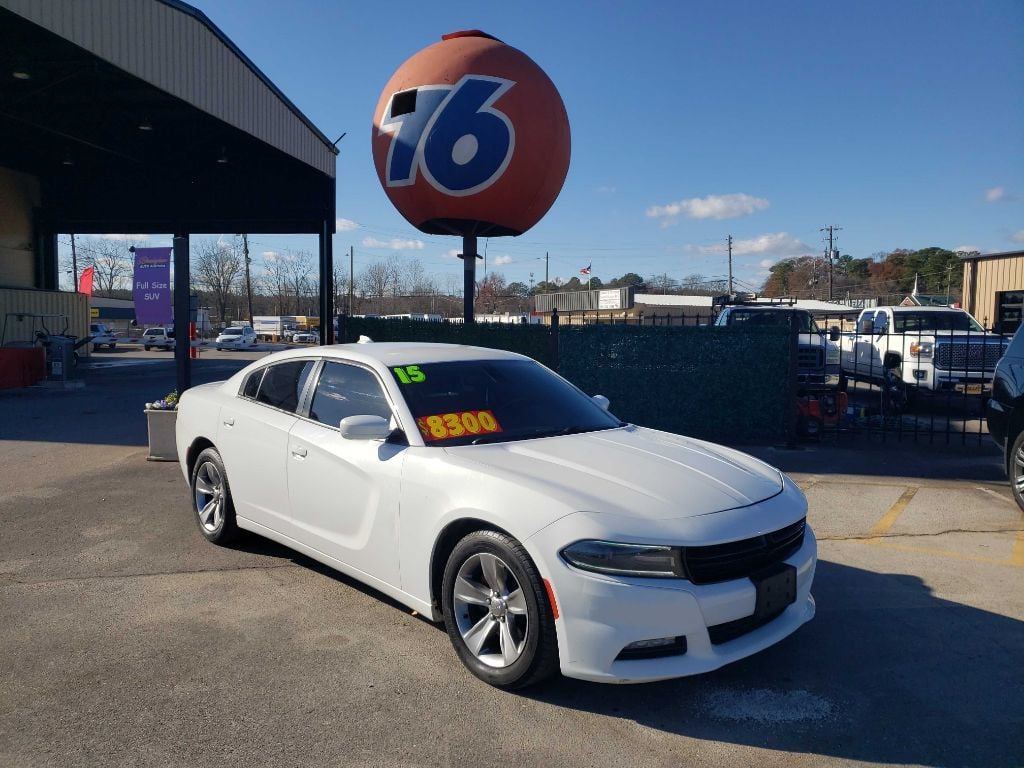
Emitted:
<point x="282" y="384"/>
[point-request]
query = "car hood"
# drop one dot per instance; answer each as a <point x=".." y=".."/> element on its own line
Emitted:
<point x="633" y="471"/>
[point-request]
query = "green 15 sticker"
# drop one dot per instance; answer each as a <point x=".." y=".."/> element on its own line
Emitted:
<point x="410" y="374"/>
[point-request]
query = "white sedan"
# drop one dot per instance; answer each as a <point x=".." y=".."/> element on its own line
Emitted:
<point x="483" y="490"/>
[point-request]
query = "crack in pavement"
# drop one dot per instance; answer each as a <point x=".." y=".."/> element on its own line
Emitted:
<point x="870" y="536"/>
<point x="7" y="579"/>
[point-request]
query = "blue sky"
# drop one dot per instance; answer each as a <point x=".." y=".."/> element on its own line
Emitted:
<point x="902" y="122"/>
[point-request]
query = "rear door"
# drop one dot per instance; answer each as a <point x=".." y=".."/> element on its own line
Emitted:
<point x="253" y="441"/>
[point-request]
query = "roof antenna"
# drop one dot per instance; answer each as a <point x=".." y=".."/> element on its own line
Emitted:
<point x="335" y="144"/>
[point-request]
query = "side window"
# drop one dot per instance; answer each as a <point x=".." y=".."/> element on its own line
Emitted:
<point x="252" y="384"/>
<point x="347" y="390"/>
<point x="881" y="322"/>
<point x="282" y="384"/>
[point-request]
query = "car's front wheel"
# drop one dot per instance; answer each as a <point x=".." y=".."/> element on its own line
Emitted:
<point x="1015" y="470"/>
<point x="497" y="613"/>
<point x="211" y="498"/>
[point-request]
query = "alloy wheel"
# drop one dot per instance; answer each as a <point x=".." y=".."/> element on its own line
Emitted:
<point x="209" y="496"/>
<point x="490" y="610"/>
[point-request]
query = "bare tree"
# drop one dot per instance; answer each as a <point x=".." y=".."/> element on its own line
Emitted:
<point x="111" y="262"/>
<point x="377" y="280"/>
<point x="216" y="269"/>
<point x="298" y="266"/>
<point x="340" y="278"/>
<point x="275" y="279"/>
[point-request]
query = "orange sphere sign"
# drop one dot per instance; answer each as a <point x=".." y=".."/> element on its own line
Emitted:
<point x="471" y="138"/>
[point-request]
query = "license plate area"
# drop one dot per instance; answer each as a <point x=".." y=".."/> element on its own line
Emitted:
<point x="970" y="389"/>
<point x="776" y="589"/>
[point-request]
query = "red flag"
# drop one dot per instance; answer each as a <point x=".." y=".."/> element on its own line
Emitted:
<point x="85" y="281"/>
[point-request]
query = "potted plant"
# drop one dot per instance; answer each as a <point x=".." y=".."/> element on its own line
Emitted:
<point x="161" y="417"/>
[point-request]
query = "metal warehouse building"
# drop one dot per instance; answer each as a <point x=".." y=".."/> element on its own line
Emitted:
<point x="994" y="289"/>
<point x="141" y="116"/>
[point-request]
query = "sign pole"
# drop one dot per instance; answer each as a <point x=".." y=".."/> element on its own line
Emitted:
<point x="469" y="257"/>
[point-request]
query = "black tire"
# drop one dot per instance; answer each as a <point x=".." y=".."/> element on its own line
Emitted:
<point x="1015" y="469"/>
<point x="146" y="347"/>
<point x="95" y="347"/>
<point x="113" y="347"/>
<point x="533" y="629"/>
<point x="209" y="485"/>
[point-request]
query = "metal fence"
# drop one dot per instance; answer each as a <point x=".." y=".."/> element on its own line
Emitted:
<point x="746" y="385"/>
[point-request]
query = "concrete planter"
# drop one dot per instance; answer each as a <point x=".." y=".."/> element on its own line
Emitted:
<point x="162" y="445"/>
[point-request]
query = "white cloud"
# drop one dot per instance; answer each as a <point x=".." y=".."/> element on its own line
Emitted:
<point x="1018" y="236"/>
<point x="767" y="263"/>
<point x="126" y="238"/>
<point x="966" y="249"/>
<point x="345" y="225"/>
<point x="500" y="260"/>
<point x="995" y="194"/>
<point x="606" y="189"/>
<point x="710" y="207"/>
<point x="454" y="253"/>
<point x="270" y="255"/>
<point x="779" y="245"/>
<point x="394" y="244"/>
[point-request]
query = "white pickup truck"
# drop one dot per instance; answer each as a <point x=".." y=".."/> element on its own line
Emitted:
<point x="931" y="348"/>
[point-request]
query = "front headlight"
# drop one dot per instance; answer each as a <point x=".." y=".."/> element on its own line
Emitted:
<point x="921" y="349"/>
<point x="625" y="559"/>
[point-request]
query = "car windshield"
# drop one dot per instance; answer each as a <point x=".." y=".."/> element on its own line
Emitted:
<point x="925" y="322"/>
<point x="232" y="332"/>
<point x="772" y="318"/>
<point x="493" y="401"/>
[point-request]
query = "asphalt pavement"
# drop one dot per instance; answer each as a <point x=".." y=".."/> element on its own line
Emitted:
<point x="125" y="638"/>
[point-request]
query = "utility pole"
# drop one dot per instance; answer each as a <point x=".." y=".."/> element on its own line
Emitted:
<point x="74" y="264"/>
<point x="829" y="255"/>
<point x="728" y="240"/>
<point x="949" y="276"/>
<point x="351" y="276"/>
<point x="248" y="279"/>
<point x="546" y="278"/>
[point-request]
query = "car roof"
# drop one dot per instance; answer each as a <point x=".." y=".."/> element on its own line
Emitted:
<point x="391" y="353"/>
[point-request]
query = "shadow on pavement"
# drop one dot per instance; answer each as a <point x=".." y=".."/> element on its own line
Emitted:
<point x="886" y="673"/>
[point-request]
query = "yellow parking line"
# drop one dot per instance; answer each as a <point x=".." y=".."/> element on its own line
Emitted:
<point x="889" y="518"/>
<point x="1017" y="558"/>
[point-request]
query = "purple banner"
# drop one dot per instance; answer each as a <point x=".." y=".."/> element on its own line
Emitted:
<point x="152" y="286"/>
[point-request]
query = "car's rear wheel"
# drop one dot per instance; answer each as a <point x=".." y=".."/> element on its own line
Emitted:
<point x="146" y="347"/>
<point x="1015" y="470"/>
<point x="211" y="498"/>
<point x="497" y="613"/>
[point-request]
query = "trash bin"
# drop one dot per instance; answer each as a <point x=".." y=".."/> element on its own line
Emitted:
<point x="60" y="357"/>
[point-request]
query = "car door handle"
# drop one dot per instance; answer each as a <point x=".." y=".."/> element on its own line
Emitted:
<point x="299" y="452"/>
<point x="229" y="422"/>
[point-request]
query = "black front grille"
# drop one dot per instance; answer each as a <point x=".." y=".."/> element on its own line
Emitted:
<point x="810" y="358"/>
<point x="963" y="356"/>
<point x="739" y="559"/>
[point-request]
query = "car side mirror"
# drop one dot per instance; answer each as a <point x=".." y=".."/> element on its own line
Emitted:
<point x="866" y="327"/>
<point x="364" y="427"/>
<point x="602" y="401"/>
<point x="833" y="333"/>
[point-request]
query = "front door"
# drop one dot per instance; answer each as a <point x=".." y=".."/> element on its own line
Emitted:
<point x="344" y="494"/>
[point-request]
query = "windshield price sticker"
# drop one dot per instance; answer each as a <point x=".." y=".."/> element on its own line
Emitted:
<point x="443" y="426"/>
<point x="410" y="374"/>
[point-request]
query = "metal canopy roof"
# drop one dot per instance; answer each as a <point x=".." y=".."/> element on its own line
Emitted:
<point x="141" y="116"/>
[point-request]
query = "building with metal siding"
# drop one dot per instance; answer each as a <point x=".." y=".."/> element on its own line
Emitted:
<point x="176" y="48"/>
<point x="994" y="289"/>
<point x="142" y="116"/>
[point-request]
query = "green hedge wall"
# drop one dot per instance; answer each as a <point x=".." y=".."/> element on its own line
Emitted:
<point x="727" y="385"/>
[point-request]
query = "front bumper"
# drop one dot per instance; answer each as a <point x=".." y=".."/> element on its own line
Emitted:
<point x="600" y="615"/>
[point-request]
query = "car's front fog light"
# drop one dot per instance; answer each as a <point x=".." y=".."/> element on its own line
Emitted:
<point x="624" y="559"/>
<point x="650" y="649"/>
